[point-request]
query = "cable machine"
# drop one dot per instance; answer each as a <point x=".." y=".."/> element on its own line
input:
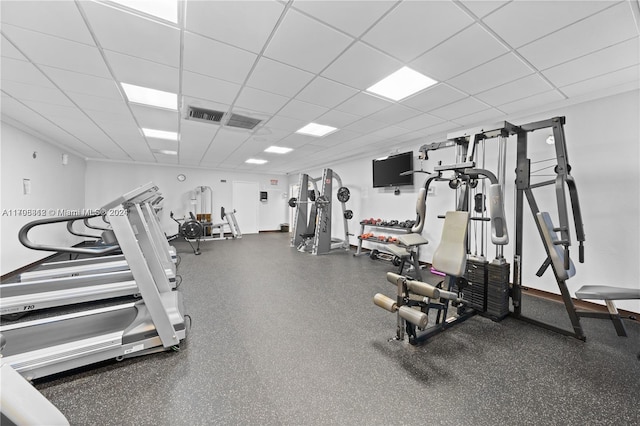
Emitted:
<point x="471" y="284"/>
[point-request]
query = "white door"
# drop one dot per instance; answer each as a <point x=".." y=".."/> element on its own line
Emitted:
<point x="246" y="201"/>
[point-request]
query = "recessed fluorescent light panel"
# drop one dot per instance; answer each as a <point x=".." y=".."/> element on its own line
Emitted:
<point x="402" y="83"/>
<point x="255" y="161"/>
<point x="278" y="150"/>
<point x="166" y="152"/>
<point x="150" y="97"/>
<point x="160" y="134"/>
<point x="164" y="9"/>
<point x="318" y="130"/>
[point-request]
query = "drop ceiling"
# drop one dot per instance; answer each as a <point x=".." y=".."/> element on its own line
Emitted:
<point x="291" y="63"/>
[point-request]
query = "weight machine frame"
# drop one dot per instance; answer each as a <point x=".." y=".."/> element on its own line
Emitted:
<point x="318" y="226"/>
<point x="524" y="190"/>
<point x="465" y="171"/>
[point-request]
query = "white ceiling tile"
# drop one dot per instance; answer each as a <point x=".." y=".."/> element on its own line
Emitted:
<point x="387" y="134"/>
<point x="103" y="144"/>
<point x="542" y="18"/>
<point x="212" y="89"/>
<point x="414" y="27"/>
<point x="305" y="43"/>
<point x="352" y="17"/>
<point x="275" y="77"/>
<point x="87" y="132"/>
<point x="57" y="18"/>
<point x="28" y="92"/>
<point x="604" y="29"/>
<point x="8" y="50"/>
<point x="311" y="149"/>
<point x="440" y="128"/>
<point x="364" y="125"/>
<point x="140" y="152"/>
<point x="23" y="72"/>
<point x="48" y="50"/>
<point x="337" y="118"/>
<point x="482" y="8"/>
<point x="195" y="138"/>
<point x="434" y="97"/>
<point x="487" y="116"/>
<point x="394" y="114"/>
<point x="119" y="121"/>
<point x="156" y="118"/>
<point x="296" y="140"/>
<point x="125" y="137"/>
<point x="546" y="98"/>
<point x="83" y="83"/>
<point x="420" y="122"/>
<point x="216" y="59"/>
<point x="166" y="159"/>
<point x="361" y="66"/>
<point x="133" y="35"/>
<point x="363" y="104"/>
<point x="322" y="91"/>
<point x="460" y="109"/>
<point x="133" y="70"/>
<point x="466" y="50"/>
<point x="245" y="24"/>
<point x="338" y="137"/>
<point x="97" y="103"/>
<point x="42" y="127"/>
<point x="621" y="55"/>
<point x="499" y="71"/>
<point x="261" y="101"/>
<point x="163" y="144"/>
<point x="285" y="123"/>
<point x="515" y="90"/>
<point x="225" y="143"/>
<point x="302" y="110"/>
<point x="270" y="135"/>
<point x="623" y="76"/>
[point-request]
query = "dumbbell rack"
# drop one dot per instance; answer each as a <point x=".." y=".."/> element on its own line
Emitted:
<point x="363" y="225"/>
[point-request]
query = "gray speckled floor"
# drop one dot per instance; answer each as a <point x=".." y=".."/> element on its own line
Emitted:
<point x="281" y="337"/>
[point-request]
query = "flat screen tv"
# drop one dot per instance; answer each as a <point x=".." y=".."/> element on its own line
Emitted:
<point x="386" y="171"/>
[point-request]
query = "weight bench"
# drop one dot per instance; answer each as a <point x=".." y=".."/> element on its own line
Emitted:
<point x="408" y="250"/>
<point x="608" y="294"/>
<point x="564" y="270"/>
<point x="307" y="237"/>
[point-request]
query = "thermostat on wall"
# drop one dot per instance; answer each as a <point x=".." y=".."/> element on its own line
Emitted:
<point x="181" y="177"/>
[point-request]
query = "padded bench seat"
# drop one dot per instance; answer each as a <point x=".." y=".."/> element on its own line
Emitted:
<point x="410" y="240"/>
<point x="396" y="250"/>
<point x="601" y="292"/>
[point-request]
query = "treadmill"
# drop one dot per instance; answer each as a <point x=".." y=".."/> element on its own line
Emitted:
<point x="145" y="195"/>
<point x="41" y="347"/>
<point x="88" y="281"/>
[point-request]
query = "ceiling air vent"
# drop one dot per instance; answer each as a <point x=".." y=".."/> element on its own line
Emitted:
<point x="243" y="122"/>
<point x="204" y="115"/>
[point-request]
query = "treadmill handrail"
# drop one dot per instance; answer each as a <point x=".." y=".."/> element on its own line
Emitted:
<point x="24" y="239"/>
<point x="98" y="228"/>
<point x="79" y="234"/>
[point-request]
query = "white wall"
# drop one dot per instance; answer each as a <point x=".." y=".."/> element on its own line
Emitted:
<point x="604" y="152"/>
<point x="53" y="186"/>
<point x="108" y="180"/>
